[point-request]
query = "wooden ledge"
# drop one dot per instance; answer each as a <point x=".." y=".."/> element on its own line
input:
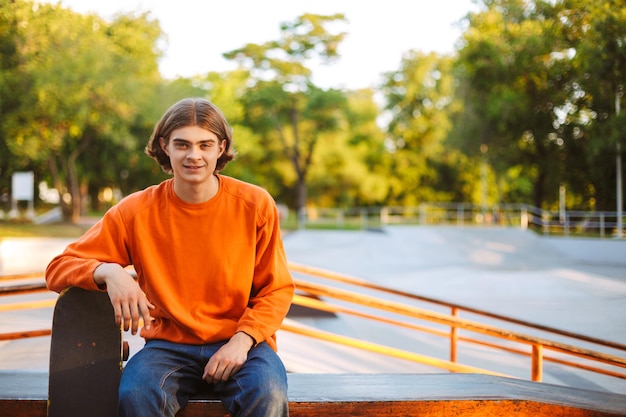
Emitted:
<point x="374" y="395"/>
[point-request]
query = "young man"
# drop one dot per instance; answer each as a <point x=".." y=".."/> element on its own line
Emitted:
<point x="212" y="282"/>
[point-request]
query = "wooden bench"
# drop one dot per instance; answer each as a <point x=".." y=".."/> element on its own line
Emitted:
<point x="374" y="395"/>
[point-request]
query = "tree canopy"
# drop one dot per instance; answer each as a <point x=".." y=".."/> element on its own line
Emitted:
<point x="530" y="101"/>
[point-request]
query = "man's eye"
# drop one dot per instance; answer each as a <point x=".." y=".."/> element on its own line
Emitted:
<point x="180" y="145"/>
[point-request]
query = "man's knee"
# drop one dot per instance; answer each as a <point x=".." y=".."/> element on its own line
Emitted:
<point x="274" y="390"/>
<point x="142" y="399"/>
<point x="130" y="398"/>
<point x="270" y="395"/>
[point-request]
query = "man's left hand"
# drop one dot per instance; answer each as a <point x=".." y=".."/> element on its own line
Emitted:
<point x="228" y="359"/>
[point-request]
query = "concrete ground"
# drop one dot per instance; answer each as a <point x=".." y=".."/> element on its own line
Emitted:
<point x="574" y="284"/>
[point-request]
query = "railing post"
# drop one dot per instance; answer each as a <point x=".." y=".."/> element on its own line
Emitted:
<point x="537" y="365"/>
<point x="454" y="336"/>
<point x="524" y="218"/>
<point x="422" y="215"/>
<point x="302" y="218"/>
<point x="364" y="218"/>
<point x="601" y="224"/>
<point x="460" y="215"/>
<point x="384" y="216"/>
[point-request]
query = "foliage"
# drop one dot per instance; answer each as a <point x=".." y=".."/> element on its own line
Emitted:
<point x="87" y="81"/>
<point x="421" y="101"/>
<point x="512" y="67"/>
<point x="282" y="105"/>
<point x="596" y="32"/>
<point x="532" y="100"/>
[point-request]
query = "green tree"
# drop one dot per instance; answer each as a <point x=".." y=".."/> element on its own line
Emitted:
<point x="88" y="80"/>
<point x="349" y="170"/>
<point x="11" y="83"/>
<point x="283" y="105"/>
<point x="420" y="99"/>
<point x="514" y="71"/>
<point x="596" y="31"/>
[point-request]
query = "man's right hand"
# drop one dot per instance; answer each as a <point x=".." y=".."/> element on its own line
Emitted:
<point x="128" y="300"/>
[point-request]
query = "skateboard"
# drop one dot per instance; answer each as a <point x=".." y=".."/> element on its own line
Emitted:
<point x="86" y="356"/>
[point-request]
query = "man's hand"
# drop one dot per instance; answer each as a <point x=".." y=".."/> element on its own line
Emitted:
<point x="228" y="359"/>
<point x="129" y="302"/>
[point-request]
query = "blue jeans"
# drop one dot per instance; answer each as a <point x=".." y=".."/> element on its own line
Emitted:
<point x="159" y="379"/>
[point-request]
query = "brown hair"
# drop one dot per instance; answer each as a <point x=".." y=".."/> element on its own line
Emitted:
<point x="191" y="112"/>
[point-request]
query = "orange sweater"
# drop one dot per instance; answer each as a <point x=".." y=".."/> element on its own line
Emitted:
<point x="211" y="269"/>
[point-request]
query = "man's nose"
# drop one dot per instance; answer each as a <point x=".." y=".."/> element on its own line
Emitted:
<point x="194" y="152"/>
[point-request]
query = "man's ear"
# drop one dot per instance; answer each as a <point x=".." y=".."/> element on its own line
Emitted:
<point x="163" y="146"/>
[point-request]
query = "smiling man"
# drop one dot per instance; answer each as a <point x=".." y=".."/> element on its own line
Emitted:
<point x="212" y="282"/>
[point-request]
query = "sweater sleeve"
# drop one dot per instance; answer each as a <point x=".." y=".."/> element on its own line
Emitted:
<point x="103" y="242"/>
<point x="273" y="286"/>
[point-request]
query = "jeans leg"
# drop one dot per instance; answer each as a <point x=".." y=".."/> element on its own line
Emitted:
<point x="259" y="388"/>
<point x="159" y="379"/>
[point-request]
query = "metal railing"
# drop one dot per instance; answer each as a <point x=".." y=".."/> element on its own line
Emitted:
<point x="564" y="222"/>
<point x="385" y="308"/>
<point x="13" y="289"/>
<point x="538" y="345"/>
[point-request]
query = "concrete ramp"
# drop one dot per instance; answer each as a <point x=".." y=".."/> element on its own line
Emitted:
<point x="577" y="285"/>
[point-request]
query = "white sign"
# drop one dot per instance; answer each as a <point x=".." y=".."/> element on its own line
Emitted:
<point x="23" y="186"/>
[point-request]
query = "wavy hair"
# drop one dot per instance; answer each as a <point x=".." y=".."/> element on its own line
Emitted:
<point x="191" y="112"/>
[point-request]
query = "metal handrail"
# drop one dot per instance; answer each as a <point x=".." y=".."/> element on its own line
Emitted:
<point x="449" y="320"/>
<point x="19" y="289"/>
<point x="21" y="276"/>
<point x="538" y="344"/>
<point x="329" y="307"/>
<point x="291" y="326"/>
<point x="455" y="308"/>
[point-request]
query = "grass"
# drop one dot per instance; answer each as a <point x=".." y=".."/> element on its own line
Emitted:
<point x="70" y="230"/>
<point x="64" y="230"/>
<point x="10" y="229"/>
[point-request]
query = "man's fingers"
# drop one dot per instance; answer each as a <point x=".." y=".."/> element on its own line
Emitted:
<point x="129" y="302"/>
<point x="218" y="370"/>
<point x="126" y="316"/>
<point x="209" y="370"/>
<point x="117" y="309"/>
<point x="145" y="315"/>
<point x="134" y="317"/>
<point x="129" y="314"/>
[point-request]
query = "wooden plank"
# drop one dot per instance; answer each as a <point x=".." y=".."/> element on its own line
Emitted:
<point x="441" y="408"/>
<point x="23" y="394"/>
<point x="23" y="408"/>
<point x="376" y="395"/>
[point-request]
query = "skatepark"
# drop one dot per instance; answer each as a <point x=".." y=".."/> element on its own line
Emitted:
<point x="574" y="284"/>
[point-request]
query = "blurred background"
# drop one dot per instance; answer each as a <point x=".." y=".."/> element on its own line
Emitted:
<point x="333" y="104"/>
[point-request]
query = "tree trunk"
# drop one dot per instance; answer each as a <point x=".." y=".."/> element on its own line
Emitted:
<point x="301" y="196"/>
<point x="58" y="185"/>
<point x="539" y="191"/>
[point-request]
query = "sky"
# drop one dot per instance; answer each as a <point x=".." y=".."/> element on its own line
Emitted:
<point x="378" y="31"/>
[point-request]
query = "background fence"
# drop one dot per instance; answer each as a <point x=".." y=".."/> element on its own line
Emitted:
<point x="584" y="223"/>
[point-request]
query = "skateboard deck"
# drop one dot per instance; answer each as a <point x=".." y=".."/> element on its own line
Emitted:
<point x="85" y="356"/>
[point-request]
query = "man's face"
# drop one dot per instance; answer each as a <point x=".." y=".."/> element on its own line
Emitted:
<point x="193" y="153"/>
